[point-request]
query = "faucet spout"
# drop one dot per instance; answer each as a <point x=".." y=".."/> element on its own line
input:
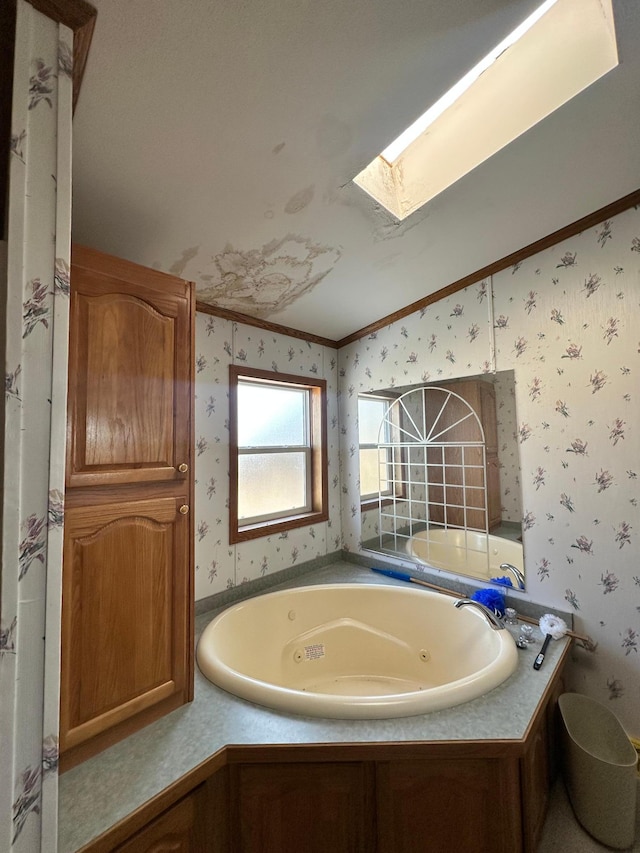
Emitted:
<point x="515" y="571"/>
<point x="489" y="615"/>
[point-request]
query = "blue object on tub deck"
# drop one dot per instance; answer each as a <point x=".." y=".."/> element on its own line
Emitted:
<point x="491" y="598"/>
<point x="504" y="580"/>
<point x="392" y="573"/>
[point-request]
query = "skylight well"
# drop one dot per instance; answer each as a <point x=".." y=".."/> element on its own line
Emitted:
<point x="559" y="50"/>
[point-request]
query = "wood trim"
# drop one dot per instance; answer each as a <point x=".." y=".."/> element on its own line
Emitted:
<point x="319" y="456"/>
<point x="391" y="751"/>
<point x="80" y="17"/>
<point x="375" y="503"/>
<point x="613" y="209"/>
<point x="588" y="221"/>
<point x="75" y="755"/>
<point x="191" y="580"/>
<point x="109" y="266"/>
<point x="271" y="528"/>
<point x="237" y="317"/>
<point x="95" y="726"/>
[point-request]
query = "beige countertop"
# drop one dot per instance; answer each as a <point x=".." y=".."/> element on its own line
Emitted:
<point x="105" y="789"/>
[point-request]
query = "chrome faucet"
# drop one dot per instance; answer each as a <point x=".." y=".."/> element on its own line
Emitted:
<point x="518" y="575"/>
<point x="489" y="615"/>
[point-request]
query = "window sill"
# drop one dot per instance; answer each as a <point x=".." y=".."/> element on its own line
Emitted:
<point x="367" y="505"/>
<point x="276" y="525"/>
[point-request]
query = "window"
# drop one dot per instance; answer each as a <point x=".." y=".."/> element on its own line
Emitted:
<point x="278" y="456"/>
<point x="380" y="469"/>
<point x="560" y="49"/>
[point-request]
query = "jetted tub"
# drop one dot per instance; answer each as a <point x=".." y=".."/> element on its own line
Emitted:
<point x="355" y="651"/>
<point x="468" y="552"/>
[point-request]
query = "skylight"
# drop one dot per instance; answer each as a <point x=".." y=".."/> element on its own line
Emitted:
<point x="559" y="50"/>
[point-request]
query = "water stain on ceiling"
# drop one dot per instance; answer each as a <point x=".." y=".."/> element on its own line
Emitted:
<point x="264" y="281"/>
<point x="300" y="200"/>
<point x="237" y="171"/>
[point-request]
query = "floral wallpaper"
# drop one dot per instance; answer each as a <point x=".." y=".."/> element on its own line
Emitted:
<point x="565" y="321"/>
<point x="508" y="456"/>
<point x="448" y="339"/>
<point x="37" y="285"/>
<point x="219" y="343"/>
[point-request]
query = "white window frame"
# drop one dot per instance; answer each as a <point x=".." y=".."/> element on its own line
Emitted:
<point x="371" y="500"/>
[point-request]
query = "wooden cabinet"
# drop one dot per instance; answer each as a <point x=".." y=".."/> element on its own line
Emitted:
<point x="130" y="373"/>
<point x="539" y="767"/>
<point x="420" y="803"/>
<point x="176" y="831"/>
<point x="437" y="796"/>
<point x="127" y="611"/>
<point x="192" y="825"/>
<point x="313" y="807"/>
<point x="124" y="606"/>
<point x="535" y="784"/>
<point x="472" y="796"/>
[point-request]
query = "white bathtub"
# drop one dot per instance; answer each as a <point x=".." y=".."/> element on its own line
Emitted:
<point x="360" y="651"/>
<point x="468" y="552"/>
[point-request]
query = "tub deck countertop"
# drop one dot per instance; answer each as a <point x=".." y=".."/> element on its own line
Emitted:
<point x="102" y="791"/>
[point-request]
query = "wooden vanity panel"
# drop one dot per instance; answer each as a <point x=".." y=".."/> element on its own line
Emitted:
<point x="448" y="805"/>
<point x="310" y="807"/>
<point x="176" y="831"/>
<point x="124" y="611"/>
<point x="536" y="780"/>
<point x="129" y="407"/>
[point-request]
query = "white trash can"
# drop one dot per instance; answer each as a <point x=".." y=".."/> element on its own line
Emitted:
<point x="599" y="769"/>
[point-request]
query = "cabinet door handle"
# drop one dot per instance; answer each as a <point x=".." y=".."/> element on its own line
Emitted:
<point x="184" y="509"/>
<point x="183" y="468"/>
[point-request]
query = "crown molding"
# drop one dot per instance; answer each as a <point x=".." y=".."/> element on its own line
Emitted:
<point x="595" y="218"/>
<point x="80" y="17"/>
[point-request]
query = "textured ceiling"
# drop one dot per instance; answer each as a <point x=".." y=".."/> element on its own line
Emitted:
<point x="218" y="141"/>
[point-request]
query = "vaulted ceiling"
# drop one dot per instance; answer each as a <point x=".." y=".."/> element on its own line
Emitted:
<point x="219" y="140"/>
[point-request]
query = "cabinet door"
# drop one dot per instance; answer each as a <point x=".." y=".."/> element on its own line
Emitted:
<point x="313" y="808"/>
<point x="130" y="363"/>
<point x="126" y="639"/>
<point x="175" y="831"/>
<point x="445" y="805"/>
<point x="536" y="774"/>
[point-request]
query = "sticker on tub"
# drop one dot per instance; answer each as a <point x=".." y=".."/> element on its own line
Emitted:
<point x="314" y="651"/>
